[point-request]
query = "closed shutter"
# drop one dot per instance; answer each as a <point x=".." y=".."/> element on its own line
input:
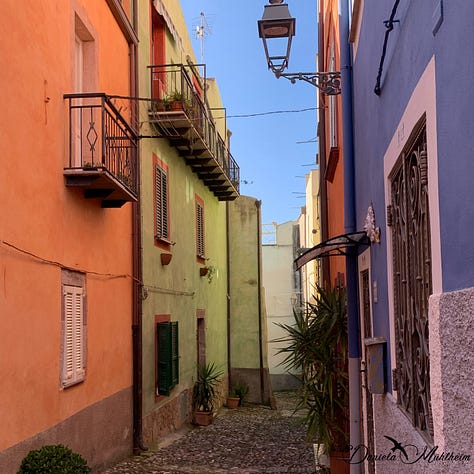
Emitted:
<point x="199" y="230"/>
<point x="161" y="203"/>
<point x="74" y="335"/>
<point x="168" y="357"/>
<point x="174" y="354"/>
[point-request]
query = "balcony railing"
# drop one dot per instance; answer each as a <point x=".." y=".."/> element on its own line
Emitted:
<point x="103" y="150"/>
<point x="179" y="112"/>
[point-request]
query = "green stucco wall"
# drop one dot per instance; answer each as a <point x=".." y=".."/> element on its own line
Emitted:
<point x="177" y="289"/>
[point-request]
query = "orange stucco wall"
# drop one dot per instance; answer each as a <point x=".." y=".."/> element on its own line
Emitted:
<point x="335" y="189"/>
<point x="45" y="226"/>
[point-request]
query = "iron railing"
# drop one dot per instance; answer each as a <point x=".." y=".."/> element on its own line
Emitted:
<point x="177" y="83"/>
<point x="100" y="137"/>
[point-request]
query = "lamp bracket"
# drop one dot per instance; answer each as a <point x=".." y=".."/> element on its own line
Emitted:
<point x="327" y="82"/>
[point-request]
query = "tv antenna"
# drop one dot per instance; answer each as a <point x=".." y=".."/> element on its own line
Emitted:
<point x="202" y="30"/>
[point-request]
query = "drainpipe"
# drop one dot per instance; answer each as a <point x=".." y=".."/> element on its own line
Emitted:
<point x="137" y="270"/>
<point x="350" y="226"/>
<point x="229" y="322"/>
<point x="258" y="205"/>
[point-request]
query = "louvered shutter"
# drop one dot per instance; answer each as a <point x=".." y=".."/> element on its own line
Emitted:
<point x="199" y="230"/>
<point x="73" y="330"/>
<point x="168" y="357"/>
<point x="164" y="358"/>
<point x="174" y="354"/>
<point x="161" y="203"/>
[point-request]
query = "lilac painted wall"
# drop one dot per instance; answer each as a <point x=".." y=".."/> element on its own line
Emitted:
<point x="411" y="45"/>
<point x="428" y="66"/>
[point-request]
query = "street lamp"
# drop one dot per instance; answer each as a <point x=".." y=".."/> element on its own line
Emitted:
<point x="278" y="26"/>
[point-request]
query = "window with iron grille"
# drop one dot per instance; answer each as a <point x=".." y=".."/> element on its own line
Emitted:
<point x="73" y="329"/>
<point x="200" y="228"/>
<point x="167" y="356"/>
<point x="161" y="203"/>
<point x="412" y="285"/>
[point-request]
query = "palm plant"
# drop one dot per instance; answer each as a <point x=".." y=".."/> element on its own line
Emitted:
<point x="316" y="347"/>
<point x="204" y="390"/>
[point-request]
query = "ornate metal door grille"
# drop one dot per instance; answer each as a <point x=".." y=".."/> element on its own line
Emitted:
<point x="412" y="280"/>
<point x="369" y="409"/>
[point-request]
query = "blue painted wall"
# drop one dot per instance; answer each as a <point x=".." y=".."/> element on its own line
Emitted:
<point x="410" y="47"/>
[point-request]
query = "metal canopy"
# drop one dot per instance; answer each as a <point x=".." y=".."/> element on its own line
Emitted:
<point x="333" y="247"/>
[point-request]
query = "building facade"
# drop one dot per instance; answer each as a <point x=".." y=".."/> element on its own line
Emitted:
<point x="310" y="235"/>
<point x="413" y="169"/>
<point x="67" y="188"/>
<point x="283" y="295"/>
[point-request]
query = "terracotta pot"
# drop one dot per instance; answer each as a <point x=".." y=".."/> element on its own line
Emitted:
<point x="176" y="105"/>
<point x="166" y="258"/>
<point x="203" y="418"/>
<point x="339" y="461"/>
<point x="233" y="402"/>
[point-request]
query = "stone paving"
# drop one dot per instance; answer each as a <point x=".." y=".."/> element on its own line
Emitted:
<point x="247" y="440"/>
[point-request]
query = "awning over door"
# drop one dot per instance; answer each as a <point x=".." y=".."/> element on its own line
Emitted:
<point x="332" y="247"/>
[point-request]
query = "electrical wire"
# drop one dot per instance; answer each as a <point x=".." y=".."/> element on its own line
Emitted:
<point x="273" y="112"/>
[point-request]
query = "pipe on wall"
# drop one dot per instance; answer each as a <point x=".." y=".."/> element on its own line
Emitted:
<point x="228" y="309"/>
<point x="350" y="226"/>
<point x="137" y="393"/>
<point x="258" y="205"/>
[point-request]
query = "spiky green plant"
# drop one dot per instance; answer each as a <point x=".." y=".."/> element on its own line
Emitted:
<point x="316" y="348"/>
<point x="204" y="390"/>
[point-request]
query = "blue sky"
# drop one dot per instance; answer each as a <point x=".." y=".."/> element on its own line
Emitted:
<point x="272" y="150"/>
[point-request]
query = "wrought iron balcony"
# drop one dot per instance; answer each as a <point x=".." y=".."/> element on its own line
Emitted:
<point x="103" y="150"/>
<point x="178" y="111"/>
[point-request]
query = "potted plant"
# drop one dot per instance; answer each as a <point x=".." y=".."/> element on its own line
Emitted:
<point x="241" y="389"/>
<point x="233" y="400"/>
<point x="317" y="348"/>
<point x="177" y="101"/>
<point x="204" y="393"/>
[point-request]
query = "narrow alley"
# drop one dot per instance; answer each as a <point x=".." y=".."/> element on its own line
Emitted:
<point x="251" y="439"/>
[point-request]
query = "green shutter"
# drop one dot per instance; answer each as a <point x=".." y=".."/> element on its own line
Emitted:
<point x="174" y="354"/>
<point x="168" y="357"/>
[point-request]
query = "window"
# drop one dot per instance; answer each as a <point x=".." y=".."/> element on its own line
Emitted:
<point x="73" y="328"/>
<point x="200" y="228"/>
<point x="201" y="338"/>
<point x="167" y="357"/>
<point x="161" y="201"/>
<point x="408" y="216"/>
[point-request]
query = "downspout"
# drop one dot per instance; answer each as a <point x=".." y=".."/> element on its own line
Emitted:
<point x="137" y="268"/>
<point x="350" y="226"/>
<point x="258" y="205"/>
<point x="229" y="342"/>
<point x="325" y="277"/>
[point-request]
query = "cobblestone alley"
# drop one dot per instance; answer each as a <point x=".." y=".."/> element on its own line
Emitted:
<point x="251" y="439"/>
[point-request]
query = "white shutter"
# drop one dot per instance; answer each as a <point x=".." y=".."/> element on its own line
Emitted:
<point x="74" y="337"/>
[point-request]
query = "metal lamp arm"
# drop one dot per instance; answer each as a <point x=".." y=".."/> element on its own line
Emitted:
<point x="328" y="82"/>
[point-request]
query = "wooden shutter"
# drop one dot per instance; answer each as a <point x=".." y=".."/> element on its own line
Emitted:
<point x="73" y="335"/>
<point x="199" y="230"/>
<point x="161" y="203"/>
<point x="168" y="356"/>
<point x="174" y="354"/>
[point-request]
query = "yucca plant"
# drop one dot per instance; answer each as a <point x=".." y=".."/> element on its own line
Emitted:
<point x="204" y="390"/>
<point x="316" y="348"/>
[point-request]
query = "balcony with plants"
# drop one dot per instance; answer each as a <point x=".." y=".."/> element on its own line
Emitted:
<point x="178" y="111"/>
<point x="103" y="149"/>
